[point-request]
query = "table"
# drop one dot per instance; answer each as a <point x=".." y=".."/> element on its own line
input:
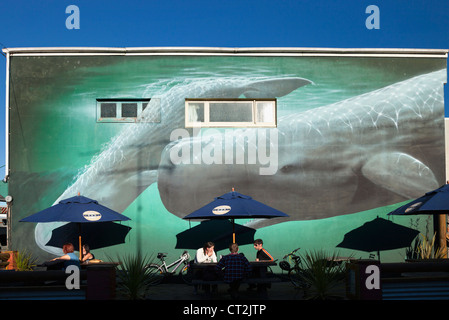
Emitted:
<point x="102" y="263"/>
<point x="101" y="280"/>
<point x="256" y="264"/>
<point x="335" y="261"/>
<point x="259" y="267"/>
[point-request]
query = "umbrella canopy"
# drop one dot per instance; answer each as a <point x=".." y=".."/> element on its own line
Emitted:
<point x="217" y="231"/>
<point x="97" y="235"/>
<point x="433" y="202"/>
<point x="378" y="235"/>
<point x="78" y="209"/>
<point x="234" y="205"/>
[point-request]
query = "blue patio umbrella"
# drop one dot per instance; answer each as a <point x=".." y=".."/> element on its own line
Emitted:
<point x="234" y="205"/>
<point x="433" y="202"/>
<point x="76" y="209"/>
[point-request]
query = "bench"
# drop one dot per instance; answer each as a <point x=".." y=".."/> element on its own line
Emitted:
<point x="97" y="282"/>
<point x="266" y="280"/>
<point x="411" y="280"/>
<point x="260" y="267"/>
<point x="32" y="285"/>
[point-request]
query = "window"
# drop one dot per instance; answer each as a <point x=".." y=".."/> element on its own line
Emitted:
<point x="128" y="110"/>
<point x="230" y="113"/>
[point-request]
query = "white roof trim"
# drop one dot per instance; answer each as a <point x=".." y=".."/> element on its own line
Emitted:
<point x="351" y="52"/>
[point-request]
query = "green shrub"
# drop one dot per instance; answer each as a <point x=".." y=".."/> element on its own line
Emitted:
<point x="133" y="278"/>
<point x="324" y="279"/>
<point x="25" y="261"/>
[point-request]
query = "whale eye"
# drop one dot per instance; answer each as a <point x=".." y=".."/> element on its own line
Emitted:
<point x="287" y="168"/>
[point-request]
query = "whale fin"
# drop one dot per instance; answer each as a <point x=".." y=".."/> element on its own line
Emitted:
<point x="143" y="179"/>
<point x="274" y="88"/>
<point x="400" y="173"/>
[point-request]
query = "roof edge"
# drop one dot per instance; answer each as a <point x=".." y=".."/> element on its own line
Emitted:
<point x="224" y="51"/>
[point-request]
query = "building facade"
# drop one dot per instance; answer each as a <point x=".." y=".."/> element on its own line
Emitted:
<point x="332" y="137"/>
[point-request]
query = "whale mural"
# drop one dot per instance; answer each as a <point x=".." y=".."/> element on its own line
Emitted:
<point x="129" y="164"/>
<point x="353" y="137"/>
<point x="376" y="149"/>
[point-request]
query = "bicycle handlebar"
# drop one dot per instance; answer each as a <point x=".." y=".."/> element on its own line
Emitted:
<point x="291" y="253"/>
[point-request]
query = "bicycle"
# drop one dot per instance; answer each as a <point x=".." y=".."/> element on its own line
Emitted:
<point x="295" y="272"/>
<point x="160" y="271"/>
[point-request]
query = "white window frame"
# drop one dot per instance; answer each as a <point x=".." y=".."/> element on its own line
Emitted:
<point x="207" y="123"/>
<point x="118" y="105"/>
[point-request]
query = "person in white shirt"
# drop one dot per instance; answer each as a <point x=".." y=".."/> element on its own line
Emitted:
<point x="206" y="254"/>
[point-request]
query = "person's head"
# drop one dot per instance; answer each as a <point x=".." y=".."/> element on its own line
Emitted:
<point x="258" y="244"/>
<point x="86" y="248"/>
<point x="68" y="248"/>
<point x="234" y="247"/>
<point x="208" y="246"/>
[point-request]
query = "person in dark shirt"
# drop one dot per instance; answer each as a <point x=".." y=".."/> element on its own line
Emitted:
<point x="236" y="267"/>
<point x="262" y="254"/>
<point x="87" y="255"/>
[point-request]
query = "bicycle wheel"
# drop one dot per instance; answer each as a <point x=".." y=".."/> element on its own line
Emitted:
<point x="157" y="274"/>
<point x="296" y="278"/>
<point x="186" y="273"/>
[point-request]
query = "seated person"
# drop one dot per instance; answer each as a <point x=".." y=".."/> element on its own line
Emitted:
<point x="69" y="258"/>
<point x="206" y="254"/>
<point x="87" y="255"/>
<point x="236" y="267"/>
<point x="261" y="255"/>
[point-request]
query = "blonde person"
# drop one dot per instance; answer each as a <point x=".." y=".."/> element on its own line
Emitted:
<point x="236" y="267"/>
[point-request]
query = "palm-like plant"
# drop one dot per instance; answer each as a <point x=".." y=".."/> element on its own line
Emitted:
<point x="133" y="278"/>
<point x="25" y="261"/>
<point x="426" y="249"/>
<point x="324" y="279"/>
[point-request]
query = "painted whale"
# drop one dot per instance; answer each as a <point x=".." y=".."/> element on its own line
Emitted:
<point x="376" y="149"/>
<point x="128" y="164"/>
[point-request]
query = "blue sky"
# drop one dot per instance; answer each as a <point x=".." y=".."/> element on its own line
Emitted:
<point x="220" y="23"/>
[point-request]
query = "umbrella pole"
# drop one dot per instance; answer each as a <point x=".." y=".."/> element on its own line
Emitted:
<point x="79" y="241"/>
<point x="233" y="231"/>
<point x="81" y="251"/>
